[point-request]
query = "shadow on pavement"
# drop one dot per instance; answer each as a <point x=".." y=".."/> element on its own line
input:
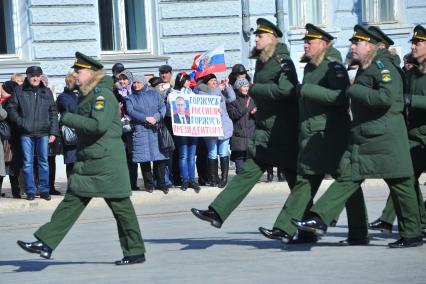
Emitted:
<point x="39" y="265"/>
<point x="198" y="244"/>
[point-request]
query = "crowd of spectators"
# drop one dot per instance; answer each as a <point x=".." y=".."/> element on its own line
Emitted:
<point x="31" y="112"/>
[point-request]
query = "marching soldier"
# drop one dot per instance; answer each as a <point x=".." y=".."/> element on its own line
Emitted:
<point x="100" y="169"/>
<point x="416" y="103"/>
<point x="323" y="138"/>
<point x="275" y="138"/>
<point x="378" y="147"/>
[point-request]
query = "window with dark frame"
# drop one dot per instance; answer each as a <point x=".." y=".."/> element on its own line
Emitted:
<point x="7" y="42"/>
<point x="123" y="25"/>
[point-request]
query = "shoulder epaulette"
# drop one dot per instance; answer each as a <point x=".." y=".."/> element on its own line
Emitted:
<point x="379" y="64"/>
<point x="332" y="59"/>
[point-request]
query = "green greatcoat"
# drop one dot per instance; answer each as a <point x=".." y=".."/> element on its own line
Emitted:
<point x="379" y="145"/>
<point x="324" y="116"/>
<point x="416" y="84"/>
<point x="324" y="137"/>
<point x="275" y="137"/>
<point x="416" y="87"/>
<point x="101" y="167"/>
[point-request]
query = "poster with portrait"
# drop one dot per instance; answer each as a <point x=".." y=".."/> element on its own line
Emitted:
<point x="195" y="115"/>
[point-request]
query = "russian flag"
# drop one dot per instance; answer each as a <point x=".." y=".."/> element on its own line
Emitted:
<point x="210" y="62"/>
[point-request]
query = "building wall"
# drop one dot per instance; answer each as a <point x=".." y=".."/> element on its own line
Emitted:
<point x="187" y="28"/>
<point x="52" y="30"/>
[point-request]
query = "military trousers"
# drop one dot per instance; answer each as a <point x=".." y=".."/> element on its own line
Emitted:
<point x="300" y="202"/>
<point x="70" y="208"/>
<point x="389" y="215"/>
<point x="241" y="184"/>
<point x="403" y="196"/>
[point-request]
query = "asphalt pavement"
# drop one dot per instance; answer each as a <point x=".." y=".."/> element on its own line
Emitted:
<point x="183" y="249"/>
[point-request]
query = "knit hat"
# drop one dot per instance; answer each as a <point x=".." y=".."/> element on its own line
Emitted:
<point x="9" y="86"/>
<point x="240" y="82"/>
<point x="139" y="78"/>
<point x="127" y="74"/>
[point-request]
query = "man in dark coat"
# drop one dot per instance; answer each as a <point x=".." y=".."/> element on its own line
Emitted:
<point x="275" y="137"/>
<point x="323" y="137"/>
<point x="100" y="169"/>
<point x="32" y="110"/>
<point x="416" y="104"/>
<point x="378" y="147"/>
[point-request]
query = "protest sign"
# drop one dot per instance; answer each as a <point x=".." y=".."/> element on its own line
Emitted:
<point x="195" y="115"/>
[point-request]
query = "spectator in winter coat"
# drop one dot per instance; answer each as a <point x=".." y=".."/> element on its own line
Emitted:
<point x="242" y="112"/>
<point x="32" y="110"/>
<point x="67" y="102"/>
<point x="146" y="109"/>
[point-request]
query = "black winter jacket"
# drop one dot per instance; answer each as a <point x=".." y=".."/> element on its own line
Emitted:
<point x="244" y="123"/>
<point x="33" y="111"/>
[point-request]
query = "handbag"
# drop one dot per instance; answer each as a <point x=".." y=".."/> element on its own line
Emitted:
<point x="127" y="126"/>
<point x="5" y="131"/>
<point x="69" y="135"/>
<point x="165" y="139"/>
<point x="7" y="149"/>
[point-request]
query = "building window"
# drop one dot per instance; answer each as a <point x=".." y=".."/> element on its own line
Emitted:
<point x="378" y="11"/>
<point x="123" y="25"/>
<point x="7" y="42"/>
<point x="302" y="12"/>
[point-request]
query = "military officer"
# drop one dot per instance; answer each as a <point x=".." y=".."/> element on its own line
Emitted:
<point x="275" y="138"/>
<point x="323" y="137"/>
<point x="100" y="169"/>
<point x="378" y="147"/>
<point x="415" y="99"/>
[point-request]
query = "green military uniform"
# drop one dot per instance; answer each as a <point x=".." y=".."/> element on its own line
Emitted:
<point x="101" y="167"/>
<point x="324" y="131"/>
<point x="416" y="87"/>
<point x="379" y="146"/>
<point x="275" y="137"/>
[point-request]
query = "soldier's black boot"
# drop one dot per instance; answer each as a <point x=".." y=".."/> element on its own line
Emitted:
<point x="36" y="247"/>
<point x="269" y="174"/>
<point x="382" y="226"/>
<point x="314" y="225"/>
<point x="224" y="167"/>
<point x="407" y="243"/>
<point x="303" y="237"/>
<point x="212" y="167"/>
<point x="131" y="259"/>
<point x="355" y="242"/>
<point x="208" y="215"/>
<point x="276" y="234"/>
